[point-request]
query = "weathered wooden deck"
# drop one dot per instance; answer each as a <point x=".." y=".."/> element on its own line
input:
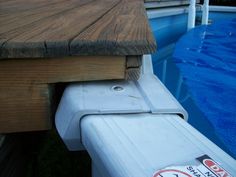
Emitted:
<point x="43" y="28"/>
<point x="44" y="42"/>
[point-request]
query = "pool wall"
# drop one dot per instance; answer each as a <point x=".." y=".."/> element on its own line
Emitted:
<point x="168" y="28"/>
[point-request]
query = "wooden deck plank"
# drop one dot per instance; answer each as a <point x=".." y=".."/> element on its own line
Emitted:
<point x="51" y="36"/>
<point x="64" y="28"/>
<point x="11" y="17"/>
<point x="128" y="33"/>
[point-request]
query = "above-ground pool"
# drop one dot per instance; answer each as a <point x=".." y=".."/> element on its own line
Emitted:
<point x="206" y="58"/>
<point x="167" y="30"/>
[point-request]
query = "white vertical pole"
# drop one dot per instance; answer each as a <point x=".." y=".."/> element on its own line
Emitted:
<point x="147" y="67"/>
<point x="205" y="12"/>
<point x="191" y="14"/>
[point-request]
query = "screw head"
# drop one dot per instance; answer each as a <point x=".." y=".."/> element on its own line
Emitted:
<point x="117" y="88"/>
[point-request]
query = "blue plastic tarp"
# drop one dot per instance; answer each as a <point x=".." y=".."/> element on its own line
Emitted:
<point x="206" y="58"/>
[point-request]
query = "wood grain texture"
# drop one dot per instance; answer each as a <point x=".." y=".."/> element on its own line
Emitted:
<point x="56" y="70"/>
<point x="132" y="73"/>
<point x="124" y="30"/>
<point x="133" y="61"/>
<point x="59" y="28"/>
<point x="26" y="86"/>
<point x="133" y="67"/>
<point x="24" y="108"/>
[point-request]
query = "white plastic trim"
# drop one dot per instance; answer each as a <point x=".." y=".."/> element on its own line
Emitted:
<point x="147" y="67"/>
<point x="222" y="9"/>
<point x="157" y="13"/>
<point x="147" y="95"/>
<point x="138" y="145"/>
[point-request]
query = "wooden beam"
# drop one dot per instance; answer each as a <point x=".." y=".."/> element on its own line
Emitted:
<point x="26" y="86"/>
<point x="69" y="69"/>
<point x="133" y="67"/>
<point x="24" y="107"/>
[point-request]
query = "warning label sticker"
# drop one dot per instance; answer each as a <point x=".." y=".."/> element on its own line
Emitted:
<point x="206" y="168"/>
<point x="211" y="165"/>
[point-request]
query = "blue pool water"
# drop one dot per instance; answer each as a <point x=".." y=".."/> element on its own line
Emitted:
<point x="206" y="58"/>
<point x="166" y="69"/>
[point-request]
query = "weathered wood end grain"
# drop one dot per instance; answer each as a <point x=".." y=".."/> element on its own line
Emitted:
<point x="59" y="28"/>
<point x="133" y="67"/>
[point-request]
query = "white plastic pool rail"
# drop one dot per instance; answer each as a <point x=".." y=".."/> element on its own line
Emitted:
<point x="136" y="129"/>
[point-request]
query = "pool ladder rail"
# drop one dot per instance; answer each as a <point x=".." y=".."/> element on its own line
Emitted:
<point x="192" y="13"/>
